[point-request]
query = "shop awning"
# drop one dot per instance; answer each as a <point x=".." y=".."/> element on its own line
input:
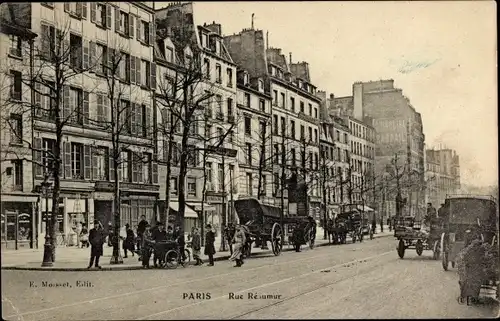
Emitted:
<point x="187" y="212"/>
<point x="206" y="207"/>
<point x="365" y="208"/>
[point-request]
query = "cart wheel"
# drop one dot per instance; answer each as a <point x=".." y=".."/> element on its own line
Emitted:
<point x="171" y="259"/>
<point x="419" y="247"/>
<point x="444" y="250"/>
<point x="187" y="254"/>
<point x="436" y="250"/>
<point x="401" y="249"/>
<point x="276" y="239"/>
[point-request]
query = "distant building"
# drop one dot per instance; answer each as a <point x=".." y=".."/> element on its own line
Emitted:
<point x="399" y="131"/>
<point x="442" y="175"/>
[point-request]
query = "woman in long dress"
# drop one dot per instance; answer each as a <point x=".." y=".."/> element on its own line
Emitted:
<point x="238" y="241"/>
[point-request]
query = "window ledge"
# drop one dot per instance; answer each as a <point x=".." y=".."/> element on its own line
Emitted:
<point x="16" y="144"/>
<point x="100" y="26"/>
<point x="145" y="87"/>
<point x="15" y="57"/>
<point x="144" y="43"/>
<point x="75" y="16"/>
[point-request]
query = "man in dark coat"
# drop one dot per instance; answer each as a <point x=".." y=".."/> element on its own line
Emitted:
<point x="147" y="246"/>
<point x="209" y="245"/>
<point x="182" y="243"/>
<point x="128" y="243"/>
<point x="140" y="231"/>
<point x="159" y="235"/>
<point x="96" y="238"/>
<point x="312" y="224"/>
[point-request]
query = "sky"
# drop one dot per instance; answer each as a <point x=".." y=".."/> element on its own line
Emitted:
<point x="441" y="54"/>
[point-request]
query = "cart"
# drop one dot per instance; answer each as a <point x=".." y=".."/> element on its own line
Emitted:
<point x="349" y="223"/>
<point x="264" y="223"/>
<point x="410" y="235"/>
<point x="476" y="214"/>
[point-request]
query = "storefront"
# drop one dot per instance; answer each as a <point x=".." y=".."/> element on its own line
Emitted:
<point x="18" y="222"/>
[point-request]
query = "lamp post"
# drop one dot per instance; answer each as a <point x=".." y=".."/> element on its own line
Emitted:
<point x="47" y="248"/>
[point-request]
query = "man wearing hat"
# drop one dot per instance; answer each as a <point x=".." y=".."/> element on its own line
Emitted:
<point x="209" y="245"/>
<point x="159" y="235"/>
<point x="147" y="246"/>
<point x="96" y="238"/>
<point x="128" y="243"/>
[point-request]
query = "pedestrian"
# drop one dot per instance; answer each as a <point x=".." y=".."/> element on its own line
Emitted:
<point x="238" y="242"/>
<point x="140" y="231"/>
<point x="381" y="225"/>
<point x="374" y="225"/>
<point x="297" y="238"/>
<point x="78" y="233"/>
<point x="147" y="246"/>
<point x="312" y="224"/>
<point x="209" y="244"/>
<point x="128" y="243"/>
<point x="84" y="237"/>
<point x="170" y="233"/>
<point x="96" y="237"/>
<point x="196" y="246"/>
<point x="159" y="236"/>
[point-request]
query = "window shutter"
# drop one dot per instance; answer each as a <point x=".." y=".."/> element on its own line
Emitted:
<point x="66" y="112"/>
<point x="85" y="54"/>
<point x="111" y="165"/>
<point x="45" y="41"/>
<point x="100" y="109"/>
<point x="131" y="26"/>
<point x="138" y="70"/>
<point x="111" y="69"/>
<point x="38" y="99"/>
<point x="106" y="109"/>
<point x="86" y="162"/>
<point x="148" y="128"/>
<point x="154" y="169"/>
<point x="140" y="164"/>
<point x="93" y="9"/>
<point x="131" y="120"/>
<point x="93" y="60"/>
<point x="66" y="6"/>
<point x="67" y="159"/>
<point x="132" y="69"/>
<point x="79" y="9"/>
<point x="84" y="10"/>
<point x="109" y="9"/>
<point x="117" y="19"/>
<point x="134" y="169"/>
<point x="86" y="109"/>
<point x="121" y="162"/>
<point x="151" y="35"/>
<point x="138" y="120"/>
<point x="138" y="28"/>
<point x="37" y="145"/>
<point x="153" y="76"/>
<point x="94" y="164"/>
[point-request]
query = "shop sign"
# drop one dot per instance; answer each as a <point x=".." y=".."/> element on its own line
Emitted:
<point x="214" y="199"/>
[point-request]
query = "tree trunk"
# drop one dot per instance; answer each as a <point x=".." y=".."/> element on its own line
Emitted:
<point x="56" y="191"/>
<point x="203" y="194"/>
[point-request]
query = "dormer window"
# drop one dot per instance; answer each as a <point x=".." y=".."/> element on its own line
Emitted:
<point x="261" y="85"/>
<point x="299" y="83"/>
<point x="280" y="73"/>
<point x="204" y="40"/>
<point x="217" y="46"/>
<point x="245" y="79"/>
<point x="273" y="71"/>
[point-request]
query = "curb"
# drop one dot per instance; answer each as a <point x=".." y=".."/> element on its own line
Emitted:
<point x="138" y="267"/>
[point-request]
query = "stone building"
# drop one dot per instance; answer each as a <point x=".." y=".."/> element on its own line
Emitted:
<point x="295" y="112"/>
<point x="217" y="90"/>
<point x="442" y="175"/>
<point x="399" y="131"/>
<point x="95" y="32"/>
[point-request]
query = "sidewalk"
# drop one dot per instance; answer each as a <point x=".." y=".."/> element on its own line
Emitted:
<point x="77" y="259"/>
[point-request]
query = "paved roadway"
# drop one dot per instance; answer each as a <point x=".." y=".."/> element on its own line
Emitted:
<point x="361" y="280"/>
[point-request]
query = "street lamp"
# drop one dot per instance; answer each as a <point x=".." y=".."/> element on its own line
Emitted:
<point x="47" y="247"/>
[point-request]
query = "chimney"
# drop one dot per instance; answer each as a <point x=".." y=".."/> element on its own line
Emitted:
<point x="267" y="40"/>
<point x="332" y="96"/>
<point x="290" y="58"/>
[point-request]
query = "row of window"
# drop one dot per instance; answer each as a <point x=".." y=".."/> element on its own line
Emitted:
<point x="358" y="148"/>
<point x="361" y="131"/>
<point x="218" y="73"/>
<point x="85" y="162"/>
<point x="98" y="58"/>
<point x="247" y="102"/>
<point x="312" y="138"/>
<point x="101" y="14"/>
<point x="312" y="111"/>
<point x="334" y="153"/>
<point x="277" y="72"/>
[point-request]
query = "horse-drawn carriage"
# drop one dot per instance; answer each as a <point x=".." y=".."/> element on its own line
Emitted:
<point x="346" y="223"/>
<point x="263" y="223"/>
<point x="410" y="234"/>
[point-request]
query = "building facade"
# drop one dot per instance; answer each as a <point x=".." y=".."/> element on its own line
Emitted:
<point x="108" y="41"/>
<point x="216" y="93"/>
<point x="399" y="131"/>
<point x="442" y="175"/>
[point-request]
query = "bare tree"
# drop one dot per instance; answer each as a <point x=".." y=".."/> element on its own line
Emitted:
<point x="57" y="62"/>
